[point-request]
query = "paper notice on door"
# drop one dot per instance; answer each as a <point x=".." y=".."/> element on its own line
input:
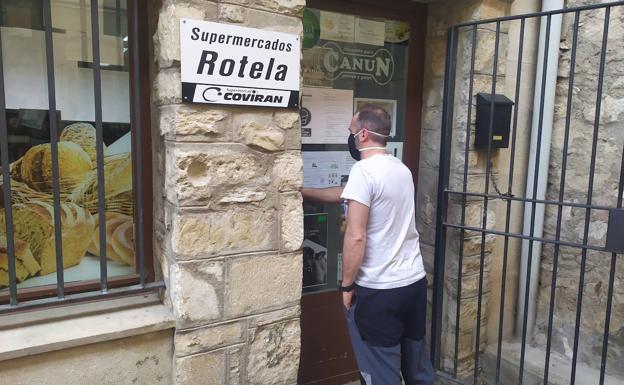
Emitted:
<point x="395" y="149"/>
<point x="326" y="115"/>
<point x="370" y="31"/>
<point x="323" y="169"/>
<point x="337" y="27"/>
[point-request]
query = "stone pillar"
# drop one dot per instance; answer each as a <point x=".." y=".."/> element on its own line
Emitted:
<point x="442" y="15"/>
<point x="228" y="213"/>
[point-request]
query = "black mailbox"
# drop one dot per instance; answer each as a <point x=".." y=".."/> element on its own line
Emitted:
<point x="500" y="124"/>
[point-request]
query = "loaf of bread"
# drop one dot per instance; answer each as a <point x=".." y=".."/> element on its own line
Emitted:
<point x="83" y="134"/>
<point x="25" y="264"/>
<point x="34" y="223"/>
<point x="119" y="238"/>
<point x="117" y="186"/>
<point x="36" y="166"/>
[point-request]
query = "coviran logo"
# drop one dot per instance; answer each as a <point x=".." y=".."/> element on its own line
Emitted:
<point x="377" y="65"/>
<point x="214" y="94"/>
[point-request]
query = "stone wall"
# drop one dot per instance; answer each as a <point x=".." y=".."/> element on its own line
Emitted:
<point x="442" y="15"/>
<point x="228" y="212"/>
<point x="144" y="359"/>
<point x="606" y="177"/>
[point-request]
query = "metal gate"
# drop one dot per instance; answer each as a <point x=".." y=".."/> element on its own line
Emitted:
<point x="554" y="220"/>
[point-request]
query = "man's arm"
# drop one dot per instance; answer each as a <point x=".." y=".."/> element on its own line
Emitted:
<point x="323" y="195"/>
<point x="353" y="246"/>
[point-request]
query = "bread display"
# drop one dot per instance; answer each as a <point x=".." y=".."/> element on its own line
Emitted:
<point x="36" y="166"/>
<point x="119" y="238"/>
<point x="34" y="222"/>
<point x="33" y="209"/>
<point x="25" y="264"/>
<point x="117" y="186"/>
<point x="83" y="134"/>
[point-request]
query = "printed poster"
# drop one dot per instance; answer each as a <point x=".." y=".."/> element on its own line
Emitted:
<point x="337" y="27"/>
<point x="326" y="115"/>
<point x="315" y="250"/>
<point x="323" y="169"/>
<point x="370" y="32"/>
<point x="389" y="105"/>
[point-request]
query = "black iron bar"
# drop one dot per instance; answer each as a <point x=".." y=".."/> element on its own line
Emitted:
<point x="605" y="338"/>
<point x="533" y="208"/>
<point x="529" y="200"/>
<point x="81" y="297"/>
<point x="501" y="316"/>
<point x="463" y="210"/>
<point x="540" y="14"/>
<point x="137" y="140"/>
<point x="488" y="168"/>
<point x="442" y="207"/>
<point x="590" y="188"/>
<point x="528" y="238"/>
<point x="99" y="142"/>
<point x="6" y="184"/>
<point x="56" y="195"/>
<point x="564" y="164"/>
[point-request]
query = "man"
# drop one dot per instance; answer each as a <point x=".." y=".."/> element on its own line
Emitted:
<point x="383" y="286"/>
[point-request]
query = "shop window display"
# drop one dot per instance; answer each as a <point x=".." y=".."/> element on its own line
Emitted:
<point x="30" y="154"/>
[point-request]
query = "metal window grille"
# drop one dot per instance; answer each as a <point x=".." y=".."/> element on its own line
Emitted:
<point x="447" y="194"/>
<point x="103" y="290"/>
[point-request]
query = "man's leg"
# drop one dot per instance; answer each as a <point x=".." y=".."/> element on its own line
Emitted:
<point x="415" y="364"/>
<point x="378" y="365"/>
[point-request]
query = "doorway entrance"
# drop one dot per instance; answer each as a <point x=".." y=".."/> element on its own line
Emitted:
<point x="355" y="52"/>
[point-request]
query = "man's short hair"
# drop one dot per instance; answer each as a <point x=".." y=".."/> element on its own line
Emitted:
<point x="375" y="119"/>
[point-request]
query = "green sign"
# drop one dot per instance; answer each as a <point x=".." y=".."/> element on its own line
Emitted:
<point x="311" y="29"/>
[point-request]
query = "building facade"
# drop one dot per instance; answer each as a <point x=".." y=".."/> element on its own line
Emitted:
<point x="211" y="269"/>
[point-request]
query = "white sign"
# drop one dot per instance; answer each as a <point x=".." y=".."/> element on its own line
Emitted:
<point x="326" y="168"/>
<point x="337" y="26"/>
<point x="227" y="64"/>
<point x="370" y="31"/>
<point x="326" y="115"/>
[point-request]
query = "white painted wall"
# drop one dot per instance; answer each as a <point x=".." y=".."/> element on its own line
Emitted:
<point x="25" y="75"/>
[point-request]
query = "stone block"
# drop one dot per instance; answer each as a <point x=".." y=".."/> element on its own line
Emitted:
<point x="269" y="21"/>
<point x="208" y="338"/>
<point x="263" y="319"/>
<point x="470" y="284"/>
<point x="288" y="171"/>
<point x="201" y="369"/>
<point x="472" y="245"/>
<point x="286" y="120"/>
<point x="234" y="365"/>
<point x="263" y="137"/>
<point x="202" y="174"/>
<point x="430" y="148"/>
<point x="284" y="7"/>
<point x="272" y="354"/>
<point x="195" y="122"/>
<point x="262" y="282"/>
<point x="236" y="229"/>
<point x="167" y="87"/>
<point x="231" y="13"/>
<point x="196" y="290"/>
<point x="167" y="36"/>
<point x="291" y="221"/>
<point x="292" y="139"/>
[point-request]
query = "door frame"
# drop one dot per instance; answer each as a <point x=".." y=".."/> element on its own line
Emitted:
<point x="416" y="15"/>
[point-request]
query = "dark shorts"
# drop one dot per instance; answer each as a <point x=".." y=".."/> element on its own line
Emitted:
<point x="386" y="316"/>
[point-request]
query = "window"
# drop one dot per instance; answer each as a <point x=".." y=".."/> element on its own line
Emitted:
<point x="63" y="215"/>
<point x="348" y="61"/>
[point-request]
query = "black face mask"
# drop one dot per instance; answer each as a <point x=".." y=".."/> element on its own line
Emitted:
<point x="355" y="153"/>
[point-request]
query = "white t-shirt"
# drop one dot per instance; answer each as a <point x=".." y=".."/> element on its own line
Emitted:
<point x="392" y="257"/>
